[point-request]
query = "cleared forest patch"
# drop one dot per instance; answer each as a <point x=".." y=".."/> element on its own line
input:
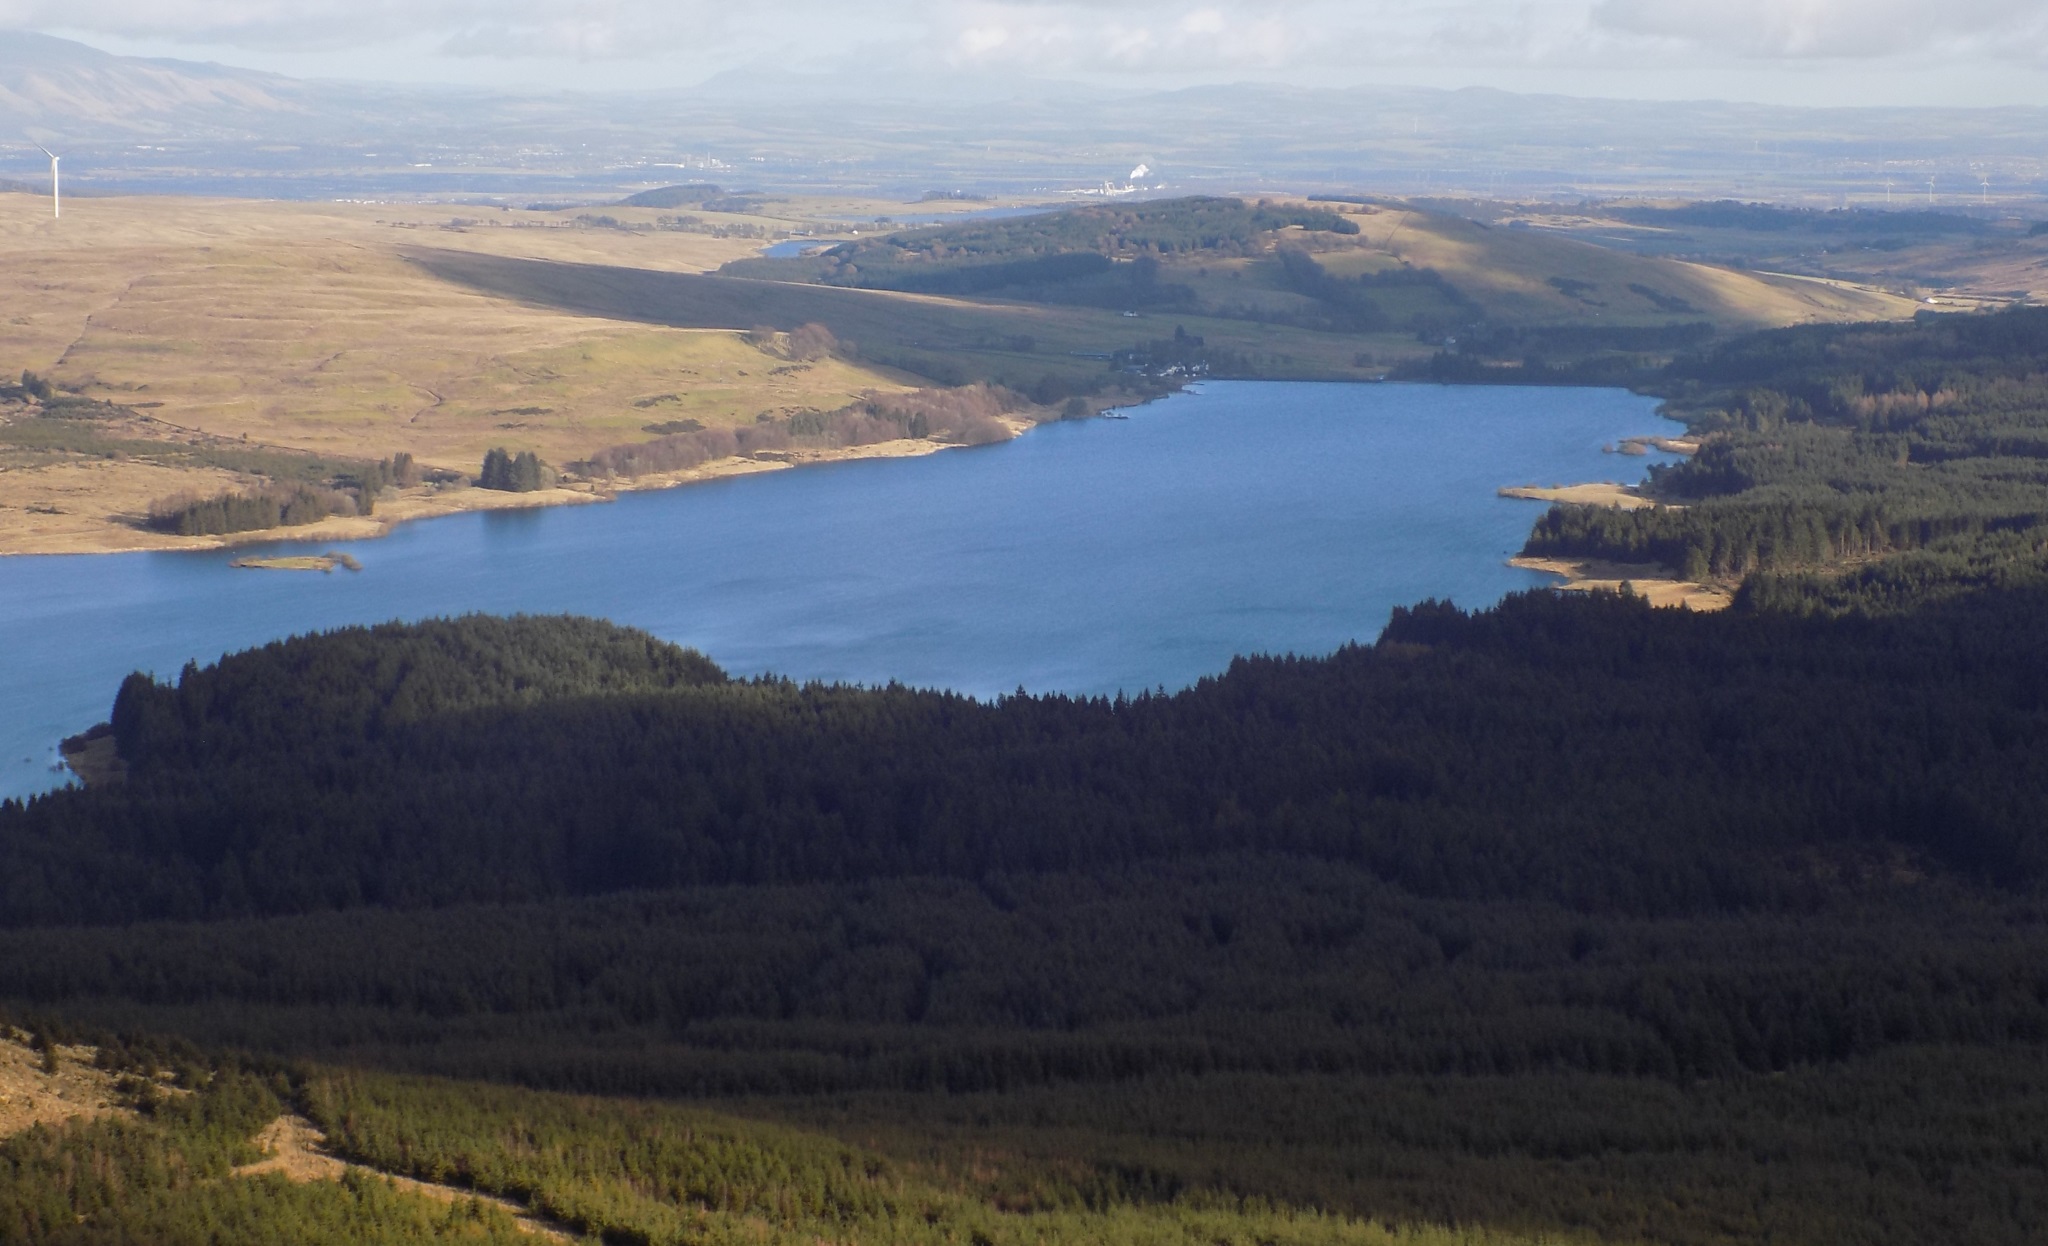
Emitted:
<point x="32" y="1092"/>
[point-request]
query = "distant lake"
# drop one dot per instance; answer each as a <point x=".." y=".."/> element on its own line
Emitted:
<point x="791" y="248"/>
<point x="1239" y="517"/>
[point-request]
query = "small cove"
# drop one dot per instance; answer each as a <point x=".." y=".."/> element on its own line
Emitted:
<point x="791" y="248"/>
<point x="1089" y="557"/>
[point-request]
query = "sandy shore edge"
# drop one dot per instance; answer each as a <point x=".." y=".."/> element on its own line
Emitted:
<point x="112" y="536"/>
<point x="1647" y="580"/>
<point x="1596" y="493"/>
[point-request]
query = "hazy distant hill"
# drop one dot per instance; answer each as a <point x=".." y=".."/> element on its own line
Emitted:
<point x="65" y="88"/>
<point x="238" y="131"/>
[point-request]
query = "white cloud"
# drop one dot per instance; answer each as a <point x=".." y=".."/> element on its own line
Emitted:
<point x="1799" y="29"/>
<point x="1150" y="35"/>
<point x="1177" y="39"/>
<point x="977" y="42"/>
<point x="560" y="28"/>
<point x="1571" y="46"/>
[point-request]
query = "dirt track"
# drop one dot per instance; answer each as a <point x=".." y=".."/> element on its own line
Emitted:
<point x="294" y="1146"/>
<point x="297" y="1150"/>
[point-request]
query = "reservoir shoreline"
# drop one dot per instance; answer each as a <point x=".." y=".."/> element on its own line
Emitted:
<point x="32" y="539"/>
<point x="1092" y="557"/>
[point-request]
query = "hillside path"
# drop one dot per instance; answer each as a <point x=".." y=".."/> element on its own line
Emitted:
<point x="298" y="1150"/>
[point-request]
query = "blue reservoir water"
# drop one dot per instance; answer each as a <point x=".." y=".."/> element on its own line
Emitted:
<point x="790" y="248"/>
<point x="1088" y="557"/>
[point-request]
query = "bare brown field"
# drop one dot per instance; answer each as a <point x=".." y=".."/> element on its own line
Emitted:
<point x="303" y="326"/>
<point x="81" y="505"/>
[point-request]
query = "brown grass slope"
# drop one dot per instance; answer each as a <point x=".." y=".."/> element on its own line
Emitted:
<point x="357" y="331"/>
<point x="952" y="340"/>
<point x="300" y="326"/>
<point x="1532" y="277"/>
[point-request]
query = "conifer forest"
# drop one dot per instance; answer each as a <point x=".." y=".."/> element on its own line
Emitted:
<point x="1568" y="919"/>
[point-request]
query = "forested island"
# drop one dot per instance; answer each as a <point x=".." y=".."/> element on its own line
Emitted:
<point x="1569" y="918"/>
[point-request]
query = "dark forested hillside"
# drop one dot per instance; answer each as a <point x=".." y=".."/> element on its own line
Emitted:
<point x="1569" y="914"/>
<point x="1052" y="248"/>
<point x="1502" y="754"/>
<point x="1157" y="255"/>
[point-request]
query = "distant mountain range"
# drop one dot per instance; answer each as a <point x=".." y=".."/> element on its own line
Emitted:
<point x="69" y="89"/>
<point x="129" y="123"/>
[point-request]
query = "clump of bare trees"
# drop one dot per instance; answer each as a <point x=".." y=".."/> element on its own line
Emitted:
<point x="970" y="415"/>
<point x="681" y="451"/>
<point x="803" y="344"/>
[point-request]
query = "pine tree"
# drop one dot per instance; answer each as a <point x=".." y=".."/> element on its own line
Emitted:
<point x="497" y="473"/>
<point x="526" y="473"/>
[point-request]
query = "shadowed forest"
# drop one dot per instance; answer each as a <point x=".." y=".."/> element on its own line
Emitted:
<point x="1568" y="918"/>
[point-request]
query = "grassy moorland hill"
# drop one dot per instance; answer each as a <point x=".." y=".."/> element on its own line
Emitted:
<point x="1530" y="278"/>
<point x="221" y="327"/>
<point x="1331" y="264"/>
<point x="226" y="334"/>
<point x="1971" y="257"/>
<point x="1293" y="289"/>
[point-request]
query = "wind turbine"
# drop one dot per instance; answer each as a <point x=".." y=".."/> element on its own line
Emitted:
<point x="56" y="203"/>
<point x="1930" y="192"/>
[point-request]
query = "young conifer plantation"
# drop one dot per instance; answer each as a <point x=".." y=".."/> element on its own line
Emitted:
<point x="1566" y="920"/>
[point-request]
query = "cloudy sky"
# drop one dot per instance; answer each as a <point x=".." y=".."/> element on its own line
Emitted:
<point x="1782" y="51"/>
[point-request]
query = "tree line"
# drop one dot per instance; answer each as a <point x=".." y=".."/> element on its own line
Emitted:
<point x="962" y="415"/>
<point x="287" y="503"/>
<point x="514" y="473"/>
<point x="1432" y="758"/>
<point x="1052" y="254"/>
<point x="273" y="506"/>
